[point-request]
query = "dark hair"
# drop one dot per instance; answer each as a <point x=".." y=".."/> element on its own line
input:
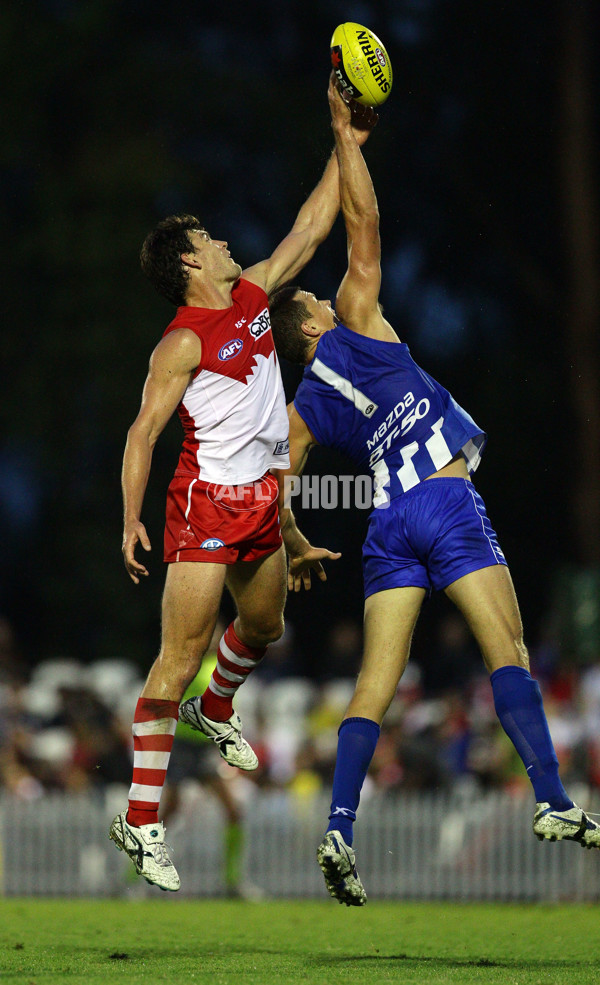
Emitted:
<point x="160" y="256"/>
<point x="287" y="315"/>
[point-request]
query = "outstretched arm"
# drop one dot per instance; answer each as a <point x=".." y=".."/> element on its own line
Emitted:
<point x="357" y="301"/>
<point x="314" y="220"/>
<point x="302" y="555"/>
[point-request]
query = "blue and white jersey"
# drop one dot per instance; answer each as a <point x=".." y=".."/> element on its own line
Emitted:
<point x="370" y="400"/>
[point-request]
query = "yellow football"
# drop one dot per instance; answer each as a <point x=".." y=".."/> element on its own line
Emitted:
<point x="361" y="64"/>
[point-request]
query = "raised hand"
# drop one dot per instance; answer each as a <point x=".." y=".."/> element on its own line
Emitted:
<point x="345" y="110"/>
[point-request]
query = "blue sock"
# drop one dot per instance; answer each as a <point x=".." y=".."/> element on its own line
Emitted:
<point x="357" y="738"/>
<point x="518" y="702"/>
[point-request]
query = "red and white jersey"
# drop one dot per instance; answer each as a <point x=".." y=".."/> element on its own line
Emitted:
<point x="233" y="412"/>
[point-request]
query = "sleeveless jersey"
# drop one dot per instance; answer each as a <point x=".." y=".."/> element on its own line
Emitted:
<point x="233" y="412"/>
<point x="370" y="400"/>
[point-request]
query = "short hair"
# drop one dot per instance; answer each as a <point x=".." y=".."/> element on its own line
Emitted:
<point x="287" y="315"/>
<point x="160" y="256"/>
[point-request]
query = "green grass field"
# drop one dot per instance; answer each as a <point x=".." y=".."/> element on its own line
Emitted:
<point x="100" y="942"/>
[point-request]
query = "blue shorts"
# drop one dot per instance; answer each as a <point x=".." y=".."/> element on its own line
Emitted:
<point x="433" y="534"/>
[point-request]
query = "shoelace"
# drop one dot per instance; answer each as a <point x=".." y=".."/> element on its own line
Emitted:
<point x="227" y="735"/>
<point x="160" y="854"/>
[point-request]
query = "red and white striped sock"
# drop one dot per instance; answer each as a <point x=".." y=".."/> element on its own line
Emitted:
<point x="235" y="660"/>
<point x="153" y="730"/>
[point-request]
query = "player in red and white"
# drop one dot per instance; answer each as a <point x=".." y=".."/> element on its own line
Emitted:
<point x="216" y="364"/>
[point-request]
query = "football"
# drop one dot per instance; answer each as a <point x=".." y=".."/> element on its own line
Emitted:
<point x="361" y="64"/>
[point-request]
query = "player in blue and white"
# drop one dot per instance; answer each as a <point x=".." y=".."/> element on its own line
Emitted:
<point x="363" y="394"/>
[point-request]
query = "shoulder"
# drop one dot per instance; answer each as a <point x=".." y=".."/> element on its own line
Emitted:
<point x="255" y="278"/>
<point x="331" y="342"/>
<point x="185" y="317"/>
<point x="249" y="288"/>
<point x="334" y="349"/>
<point x="369" y="325"/>
<point x="179" y="348"/>
<point x="250" y="297"/>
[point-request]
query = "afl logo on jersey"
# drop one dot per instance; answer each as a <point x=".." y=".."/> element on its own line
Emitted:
<point x="212" y="544"/>
<point x="230" y="349"/>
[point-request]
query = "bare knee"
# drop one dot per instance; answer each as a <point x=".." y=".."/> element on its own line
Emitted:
<point x="260" y="634"/>
<point x="274" y="631"/>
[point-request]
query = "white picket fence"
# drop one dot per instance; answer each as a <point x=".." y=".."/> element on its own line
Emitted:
<point x="409" y="847"/>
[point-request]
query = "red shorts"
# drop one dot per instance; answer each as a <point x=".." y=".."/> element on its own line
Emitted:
<point x="208" y="522"/>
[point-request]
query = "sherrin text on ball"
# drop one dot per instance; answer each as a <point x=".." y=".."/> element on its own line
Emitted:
<point x="361" y="64"/>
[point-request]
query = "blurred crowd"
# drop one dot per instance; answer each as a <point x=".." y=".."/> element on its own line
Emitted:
<point x="66" y="726"/>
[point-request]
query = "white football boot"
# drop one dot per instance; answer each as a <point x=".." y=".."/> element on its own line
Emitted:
<point x="227" y="735"/>
<point x="147" y="850"/>
<point x="337" y="861"/>
<point x="572" y="825"/>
